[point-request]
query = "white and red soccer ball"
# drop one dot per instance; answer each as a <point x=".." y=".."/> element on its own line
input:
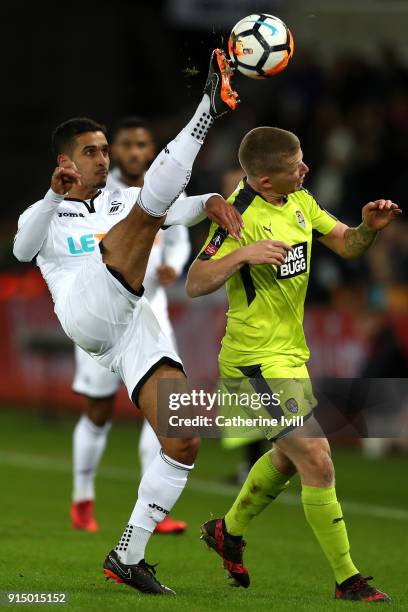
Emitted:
<point x="260" y="45"/>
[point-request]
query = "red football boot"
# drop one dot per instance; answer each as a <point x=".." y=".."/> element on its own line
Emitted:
<point x="82" y="516"/>
<point x="169" y="525"/>
<point x="357" y="588"/>
<point x="230" y="548"/>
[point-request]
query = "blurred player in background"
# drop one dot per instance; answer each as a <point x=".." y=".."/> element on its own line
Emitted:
<point x="132" y="151"/>
<point x="267" y="274"/>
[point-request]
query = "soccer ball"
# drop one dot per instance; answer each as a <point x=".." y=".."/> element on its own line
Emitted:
<point x="260" y="45"/>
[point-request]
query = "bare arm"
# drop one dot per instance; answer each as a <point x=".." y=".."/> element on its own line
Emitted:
<point x="358" y="239"/>
<point x="206" y="276"/>
<point x="351" y="242"/>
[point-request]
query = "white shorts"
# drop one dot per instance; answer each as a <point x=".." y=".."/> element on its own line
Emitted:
<point x="160" y="311"/>
<point x="105" y="317"/>
<point x="92" y="379"/>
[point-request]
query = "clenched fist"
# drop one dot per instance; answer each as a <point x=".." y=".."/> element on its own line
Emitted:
<point x="64" y="177"/>
<point x="266" y="252"/>
<point x="167" y="275"/>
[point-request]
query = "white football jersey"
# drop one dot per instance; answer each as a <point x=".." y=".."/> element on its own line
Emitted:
<point x="60" y="232"/>
<point x="75" y="230"/>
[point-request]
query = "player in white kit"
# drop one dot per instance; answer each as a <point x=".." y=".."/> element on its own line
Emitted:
<point x="132" y="151"/>
<point x="94" y="263"/>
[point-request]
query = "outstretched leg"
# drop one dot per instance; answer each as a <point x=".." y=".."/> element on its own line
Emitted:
<point x="126" y="247"/>
<point x="144" y="350"/>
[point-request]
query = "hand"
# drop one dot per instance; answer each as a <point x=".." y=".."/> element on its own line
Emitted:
<point x="380" y="213"/>
<point x="64" y="177"/>
<point x="266" y="252"/>
<point x="167" y="275"/>
<point x="225" y="215"/>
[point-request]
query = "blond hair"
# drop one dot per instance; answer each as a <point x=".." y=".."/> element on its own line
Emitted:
<point x="263" y="150"/>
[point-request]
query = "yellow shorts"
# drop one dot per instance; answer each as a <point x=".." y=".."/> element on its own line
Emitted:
<point x="268" y="398"/>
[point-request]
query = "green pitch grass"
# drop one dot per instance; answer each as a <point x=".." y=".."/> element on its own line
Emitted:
<point x="41" y="553"/>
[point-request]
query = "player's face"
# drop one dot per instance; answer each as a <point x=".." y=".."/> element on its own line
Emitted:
<point x="133" y="150"/>
<point x="91" y="156"/>
<point x="291" y="177"/>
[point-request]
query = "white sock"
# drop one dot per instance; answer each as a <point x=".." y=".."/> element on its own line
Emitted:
<point x="149" y="446"/>
<point x="169" y="174"/>
<point x="192" y="136"/>
<point x="131" y="547"/>
<point x="160" y="488"/>
<point x="89" y="441"/>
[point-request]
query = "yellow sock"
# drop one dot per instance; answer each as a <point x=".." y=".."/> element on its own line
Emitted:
<point x="324" y="515"/>
<point x="263" y="484"/>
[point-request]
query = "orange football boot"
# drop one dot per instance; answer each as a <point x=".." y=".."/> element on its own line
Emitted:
<point x="169" y="525"/>
<point x="218" y="85"/>
<point x="82" y="516"/>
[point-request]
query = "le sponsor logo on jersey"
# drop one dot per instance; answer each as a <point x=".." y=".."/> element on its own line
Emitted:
<point x="84" y="244"/>
<point x="295" y="262"/>
<point x="116" y="208"/>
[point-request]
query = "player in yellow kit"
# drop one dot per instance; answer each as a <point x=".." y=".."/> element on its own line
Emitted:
<point x="266" y="274"/>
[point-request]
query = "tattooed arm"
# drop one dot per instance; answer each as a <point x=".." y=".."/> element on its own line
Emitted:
<point x="358" y="239"/>
<point x="352" y="242"/>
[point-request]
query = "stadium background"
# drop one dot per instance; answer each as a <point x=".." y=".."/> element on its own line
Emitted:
<point x="345" y="94"/>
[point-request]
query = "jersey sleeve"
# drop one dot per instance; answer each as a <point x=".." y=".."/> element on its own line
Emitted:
<point x="218" y="244"/>
<point x="322" y="221"/>
<point x="188" y="211"/>
<point x="33" y="226"/>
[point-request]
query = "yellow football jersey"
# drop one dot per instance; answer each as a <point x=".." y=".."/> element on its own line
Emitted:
<point x="266" y="302"/>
